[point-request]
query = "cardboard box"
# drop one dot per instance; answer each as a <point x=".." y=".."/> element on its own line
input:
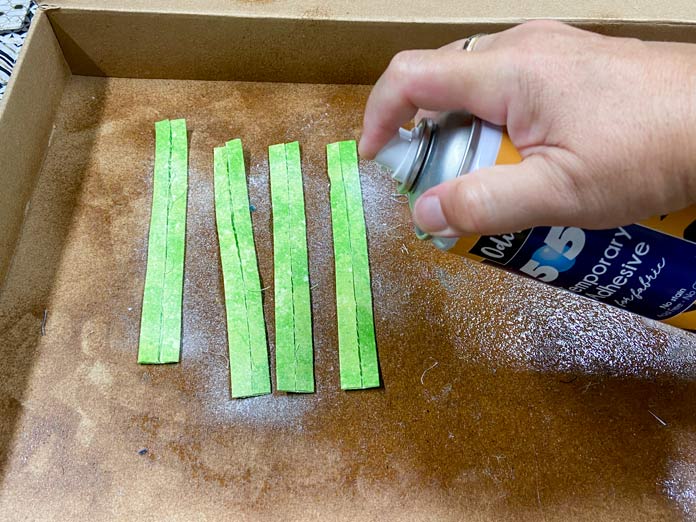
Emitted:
<point x="502" y="399"/>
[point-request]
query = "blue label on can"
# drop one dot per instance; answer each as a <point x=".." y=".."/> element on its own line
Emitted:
<point x="633" y="267"/>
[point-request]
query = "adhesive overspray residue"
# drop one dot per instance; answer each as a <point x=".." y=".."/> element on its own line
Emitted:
<point x="551" y="330"/>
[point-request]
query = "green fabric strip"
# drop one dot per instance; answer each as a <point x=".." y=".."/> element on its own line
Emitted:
<point x="160" y="327"/>
<point x="258" y="348"/>
<point x="348" y="347"/>
<point x="246" y="334"/>
<point x="282" y="262"/>
<point x="361" y="266"/>
<point x="302" y="309"/>
<point x="293" y="315"/>
<point x="359" y="367"/>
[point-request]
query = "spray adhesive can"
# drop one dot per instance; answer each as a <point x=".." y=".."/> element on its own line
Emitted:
<point x="648" y="268"/>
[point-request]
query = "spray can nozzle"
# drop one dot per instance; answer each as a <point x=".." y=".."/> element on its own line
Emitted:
<point x="405" y="153"/>
<point x="430" y="154"/>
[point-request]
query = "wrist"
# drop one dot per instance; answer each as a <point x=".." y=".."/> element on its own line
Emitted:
<point x="688" y="87"/>
<point x="679" y="122"/>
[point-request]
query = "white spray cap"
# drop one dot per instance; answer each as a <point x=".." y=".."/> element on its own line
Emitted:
<point x="404" y="154"/>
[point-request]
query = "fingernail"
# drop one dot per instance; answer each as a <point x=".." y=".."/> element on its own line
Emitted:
<point x="429" y="216"/>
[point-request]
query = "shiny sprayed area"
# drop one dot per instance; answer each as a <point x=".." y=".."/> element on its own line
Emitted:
<point x="503" y="399"/>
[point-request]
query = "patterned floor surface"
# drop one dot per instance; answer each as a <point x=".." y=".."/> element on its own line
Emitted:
<point x="15" y="19"/>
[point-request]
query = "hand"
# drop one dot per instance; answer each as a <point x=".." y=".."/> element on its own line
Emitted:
<point x="606" y="127"/>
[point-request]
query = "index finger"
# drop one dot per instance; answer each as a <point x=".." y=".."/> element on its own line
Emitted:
<point x="434" y="80"/>
<point x="483" y="41"/>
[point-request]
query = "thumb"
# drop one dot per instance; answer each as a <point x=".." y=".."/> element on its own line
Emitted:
<point x="497" y="200"/>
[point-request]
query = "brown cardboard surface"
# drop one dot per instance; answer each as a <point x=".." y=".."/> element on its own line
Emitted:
<point x="503" y="399"/>
<point x="26" y="113"/>
<point x="393" y="10"/>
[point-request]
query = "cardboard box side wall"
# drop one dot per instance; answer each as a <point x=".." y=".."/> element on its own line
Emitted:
<point x="215" y="47"/>
<point x="224" y="47"/>
<point x="451" y="11"/>
<point x="26" y="119"/>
